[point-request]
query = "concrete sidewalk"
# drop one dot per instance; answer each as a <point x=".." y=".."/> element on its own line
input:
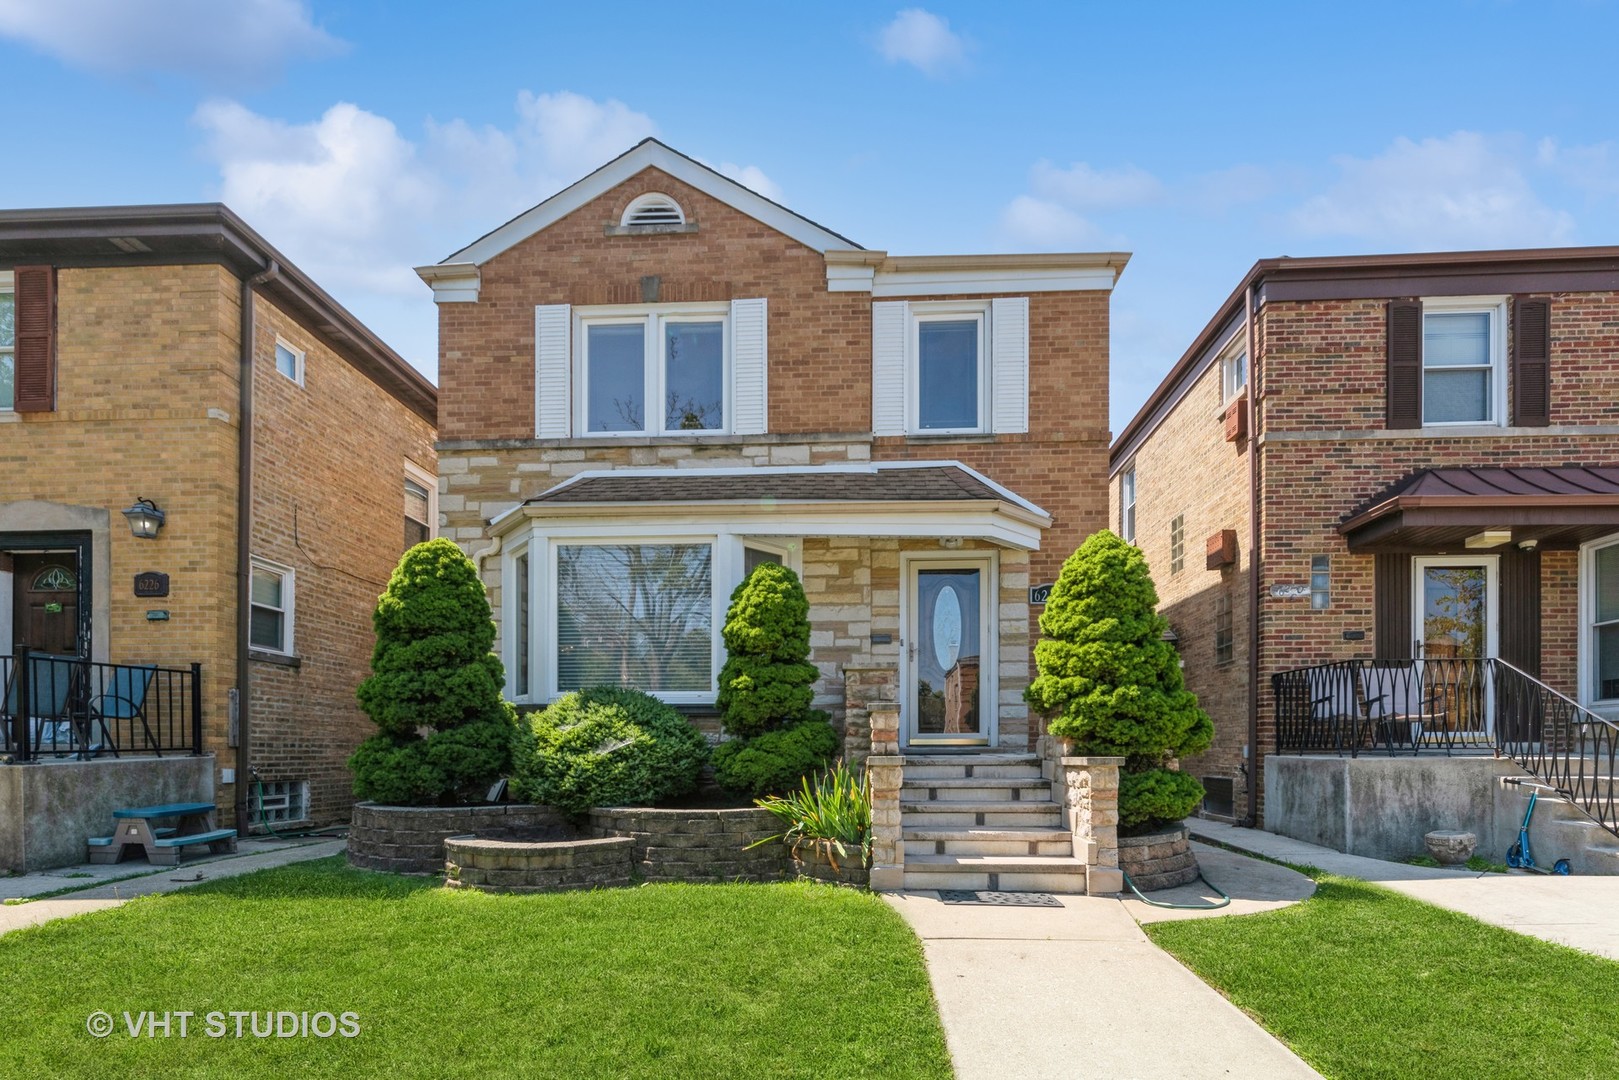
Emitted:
<point x="1079" y="991"/>
<point x="149" y="880"/>
<point x="1573" y="911"/>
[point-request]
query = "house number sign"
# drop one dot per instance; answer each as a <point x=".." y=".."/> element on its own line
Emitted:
<point x="1039" y="594"/>
<point x="151" y="583"/>
<point x="1281" y="592"/>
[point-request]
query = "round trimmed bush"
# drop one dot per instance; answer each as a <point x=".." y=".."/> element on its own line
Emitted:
<point x="607" y="746"/>
<point x="776" y="760"/>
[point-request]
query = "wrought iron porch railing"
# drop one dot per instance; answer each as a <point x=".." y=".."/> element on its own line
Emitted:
<point x="56" y="706"/>
<point x="1447" y="705"/>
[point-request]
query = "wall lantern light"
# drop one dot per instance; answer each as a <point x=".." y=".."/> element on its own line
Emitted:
<point x="145" y="519"/>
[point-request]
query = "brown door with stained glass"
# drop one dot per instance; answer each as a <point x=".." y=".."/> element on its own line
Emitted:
<point x="45" y="602"/>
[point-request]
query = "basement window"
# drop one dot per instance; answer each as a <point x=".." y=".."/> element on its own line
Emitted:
<point x="1219" y="797"/>
<point x="283" y="801"/>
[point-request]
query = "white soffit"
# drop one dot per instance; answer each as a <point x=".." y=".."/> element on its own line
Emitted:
<point x="650" y="153"/>
<point x="885" y="276"/>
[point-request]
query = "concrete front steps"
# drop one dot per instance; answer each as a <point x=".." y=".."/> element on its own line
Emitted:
<point x="1561" y="830"/>
<point x="984" y="821"/>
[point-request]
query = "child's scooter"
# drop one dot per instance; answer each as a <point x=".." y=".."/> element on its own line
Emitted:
<point x="1519" y="856"/>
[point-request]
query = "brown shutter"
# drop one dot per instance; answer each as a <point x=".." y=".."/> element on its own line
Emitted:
<point x="1391" y="606"/>
<point x="1520" y="609"/>
<point x="36" y="339"/>
<point x="1405" y="364"/>
<point x="1531" y="362"/>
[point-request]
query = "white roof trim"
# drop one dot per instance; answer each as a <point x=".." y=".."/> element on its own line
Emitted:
<point x="453" y="283"/>
<point x="649" y="153"/>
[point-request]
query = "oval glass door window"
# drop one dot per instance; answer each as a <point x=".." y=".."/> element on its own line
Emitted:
<point x="947" y="627"/>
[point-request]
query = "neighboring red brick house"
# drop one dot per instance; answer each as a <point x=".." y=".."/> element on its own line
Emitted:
<point x="169" y="353"/>
<point x="1433" y="453"/>
<point x="656" y="378"/>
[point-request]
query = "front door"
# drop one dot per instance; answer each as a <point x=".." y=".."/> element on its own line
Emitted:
<point x="45" y="602"/>
<point x="949" y="677"/>
<point x="1455" y="613"/>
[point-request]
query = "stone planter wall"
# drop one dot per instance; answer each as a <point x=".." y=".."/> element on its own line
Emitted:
<point x="537" y="866"/>
<point x="410" y="839"/>
<point x="811" y="862"/>
<point x="697" y="845"/>
<point x="1159" y="860"/>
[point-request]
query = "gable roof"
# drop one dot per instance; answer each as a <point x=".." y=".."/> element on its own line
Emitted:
<point x="646" y="154"/>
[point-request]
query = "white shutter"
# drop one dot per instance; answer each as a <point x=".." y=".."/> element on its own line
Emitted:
<point x="750" y="363"/>
<point x="553" y="396"/>
<point x="1009" y="364"/>
<point x="889" y="329"/>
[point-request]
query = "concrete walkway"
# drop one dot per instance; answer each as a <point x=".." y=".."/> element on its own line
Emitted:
<point x="149" y="880"/>
<point x="1078" y="990"/>
<point x="1574" y="911"/>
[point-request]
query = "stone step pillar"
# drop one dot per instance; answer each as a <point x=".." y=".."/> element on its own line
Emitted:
<point x="1091" y="806"/>
<point x="885" y="770"/>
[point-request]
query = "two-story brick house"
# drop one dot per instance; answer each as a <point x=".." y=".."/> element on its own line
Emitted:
<point x="1416" y="518"/>
<point x="657" y="378"/>
<point x="169" y="354"/>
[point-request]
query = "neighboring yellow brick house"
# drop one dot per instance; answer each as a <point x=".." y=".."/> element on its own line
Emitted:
<point x="121" y="379"/>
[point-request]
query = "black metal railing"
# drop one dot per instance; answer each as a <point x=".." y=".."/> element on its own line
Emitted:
<point x="1446" y="705"/>
<point x="61" y="706"/>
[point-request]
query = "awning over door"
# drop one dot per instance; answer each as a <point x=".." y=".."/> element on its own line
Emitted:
<point x="1456" y="510"/>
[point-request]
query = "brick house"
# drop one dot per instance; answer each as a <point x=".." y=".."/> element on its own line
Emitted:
<point x="657" y="378"/>
<point x="1402" y="547"/>
<point x="136" y="346"/>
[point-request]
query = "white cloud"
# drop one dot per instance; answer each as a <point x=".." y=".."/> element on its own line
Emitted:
<point x="356" y="203"/>
<point x="1086" y="188"/>
<point x="1463" y="191"/>
<point x="1592" y="169"/>
<point x="1041" y="223"/>
<point x="230" y="42"/>
<point x="923" y="40"/>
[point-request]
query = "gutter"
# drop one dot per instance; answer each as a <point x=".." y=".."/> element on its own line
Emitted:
<point x="1251" y="819"/>
<point x="244" y="538"/>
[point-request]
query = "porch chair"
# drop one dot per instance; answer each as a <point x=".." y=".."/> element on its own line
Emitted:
<point x="50" y="689"/>
<point x="1396" y="707"/>
<point x="123" y="697"/>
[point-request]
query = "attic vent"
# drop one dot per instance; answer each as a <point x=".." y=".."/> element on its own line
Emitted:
<point x="653" y="208"/>
<point x="128" y="244"/>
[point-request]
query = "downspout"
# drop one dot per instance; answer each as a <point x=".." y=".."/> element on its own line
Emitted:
<point x="244" y="538"/>
<point x="1252" y="818"/>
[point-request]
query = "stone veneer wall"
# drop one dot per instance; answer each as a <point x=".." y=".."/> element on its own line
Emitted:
<point x="1159" y="860"/>
<point x="697" y="845"/>
<point x="528" y="867"/>
<point x="410" y="839"/>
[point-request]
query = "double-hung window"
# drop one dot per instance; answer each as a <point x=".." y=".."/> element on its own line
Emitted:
<point x="270" y="617"/>
<point x="951" y="377"/>
<point x="1233" y="375"/>
<point x="657" y="372"/>
<point x="1127" y="504"/>
<point x="8" y="341"/>
<point x="1463" y="361"/>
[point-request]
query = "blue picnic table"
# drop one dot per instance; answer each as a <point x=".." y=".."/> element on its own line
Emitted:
<point x="136" y="827"/>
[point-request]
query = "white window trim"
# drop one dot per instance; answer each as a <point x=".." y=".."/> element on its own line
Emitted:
<point x="1496" y="308"/>
<point x="509" y="586"/>
<point x="945" y="311"/>
<point x="289" y="594"/>
<point x="652" y="316"/>
<point x="430" y="482"/>
<point x="1586" y="652"/>
<point x="1127" y="479"/>
<point x="298" y="360"/>
<point x="8" y="285"/>
<point x="790" y="551"/>
<point x="1228" y="394"/>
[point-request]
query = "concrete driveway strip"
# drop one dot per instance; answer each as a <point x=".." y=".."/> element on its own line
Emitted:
<point x="1078" y="991"/>
<point x="172" y="879"/>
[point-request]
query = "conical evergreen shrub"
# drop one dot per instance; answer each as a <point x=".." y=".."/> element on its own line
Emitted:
<point x="445" y="733"/>
<point x="1110" y="682"/>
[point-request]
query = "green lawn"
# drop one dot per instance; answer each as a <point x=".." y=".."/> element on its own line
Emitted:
<point x="662" y="981"/>
<point x="1363" y="982"/>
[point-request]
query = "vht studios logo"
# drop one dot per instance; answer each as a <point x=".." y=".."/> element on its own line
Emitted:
<point x="226" y="1025"/>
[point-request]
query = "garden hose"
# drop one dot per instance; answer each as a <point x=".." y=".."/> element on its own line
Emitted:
<point x="1224" y="899"/>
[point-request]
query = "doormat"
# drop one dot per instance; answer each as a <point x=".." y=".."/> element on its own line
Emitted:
<point x="1000" y="899"/>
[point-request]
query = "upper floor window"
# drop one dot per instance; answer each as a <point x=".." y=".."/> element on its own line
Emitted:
<point x="289" y="361"/>
<point x="8" y="341"/>
<point x="1233" y="375"/>
<point x="1463" y="362"/>
<point x="950" y="376"/>
<point x="270" y="617"/>
<point x="653" y="208"/>
<point x="1127" y="504"/>
<point x="653" y="374"/>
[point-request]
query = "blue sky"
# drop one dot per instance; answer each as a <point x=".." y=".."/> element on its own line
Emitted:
<point x="364" y="138"/>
